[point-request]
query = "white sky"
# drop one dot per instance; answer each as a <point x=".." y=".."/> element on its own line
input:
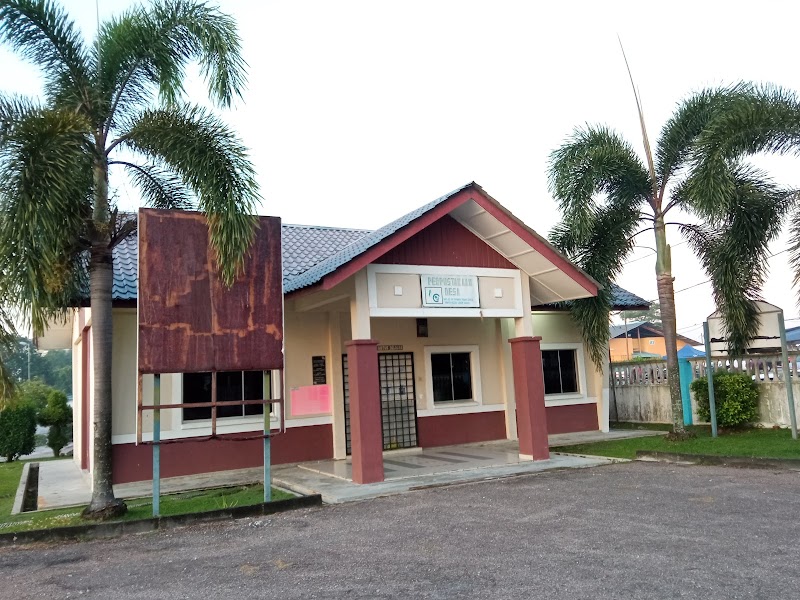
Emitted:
<point x="357" y="112"/>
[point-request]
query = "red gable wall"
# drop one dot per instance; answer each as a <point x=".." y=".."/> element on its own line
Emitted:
<point x="445" y="243"/>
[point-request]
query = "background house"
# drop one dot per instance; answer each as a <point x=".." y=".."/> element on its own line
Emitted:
<point x="640" y="339"/>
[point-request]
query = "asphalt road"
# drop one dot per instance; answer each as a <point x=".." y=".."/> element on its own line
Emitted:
<point x="631" y="531"/>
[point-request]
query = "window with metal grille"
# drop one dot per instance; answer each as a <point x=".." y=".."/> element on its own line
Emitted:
<point x="560" y="371"/>
<point x="231" y="385"/>
<point x="451" y="373"/>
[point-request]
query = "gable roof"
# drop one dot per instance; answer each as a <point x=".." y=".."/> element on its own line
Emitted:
<point x="359" y="246"/>
<point x="552" y="277"/>
<point x="643" y="329"/>
<point x="313" y="253"/>
<point x="303" y="246"/>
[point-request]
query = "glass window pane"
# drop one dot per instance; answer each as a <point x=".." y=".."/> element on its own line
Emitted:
<point x="196" y="388"/>
<point x="462" y="376"/>
<point x="442" y="380"/>
<point x="253" y="390"/>
<point x="552" y="377"/>
<point x="229" y="387"/>
<point x="569" y="372"/>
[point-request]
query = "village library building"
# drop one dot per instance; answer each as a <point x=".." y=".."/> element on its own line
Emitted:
<point x="444" y="327"/>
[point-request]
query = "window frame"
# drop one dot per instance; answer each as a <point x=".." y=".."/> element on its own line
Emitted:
<point x="475" y="375"/>
<point x="579" y="397"/>
<point x="224" y="422"/>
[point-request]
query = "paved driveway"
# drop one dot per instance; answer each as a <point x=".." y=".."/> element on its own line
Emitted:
<point x="629" y="531"/>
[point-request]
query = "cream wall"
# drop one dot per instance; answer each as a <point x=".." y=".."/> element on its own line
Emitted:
<point x="403" y="290"/>
<point x="446" y="332"/>
<point x="410" y="290"/>
<point x="305" y="335"/>
<point x="324" y="333"/>
<point x="77" y="384"/>
<point x="558" y="328"/>
<point x="555" y="327"/>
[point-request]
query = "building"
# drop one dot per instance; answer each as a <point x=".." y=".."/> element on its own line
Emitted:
<point x="440" y="328"/>
<point x="640" y="339"/>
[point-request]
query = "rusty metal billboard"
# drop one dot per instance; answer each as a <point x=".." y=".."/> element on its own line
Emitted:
<point x="188" y="320"/>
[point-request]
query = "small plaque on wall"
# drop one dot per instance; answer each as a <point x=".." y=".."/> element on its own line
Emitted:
<point x="318" y="370"/>
<point x="390" y="348"/>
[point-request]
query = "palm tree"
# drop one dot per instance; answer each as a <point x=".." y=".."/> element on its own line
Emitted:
<point x="115" y="104"/>
<point x="608" y="196"/>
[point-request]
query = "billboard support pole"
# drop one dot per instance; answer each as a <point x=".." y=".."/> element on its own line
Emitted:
<point x="267" y="389"/>
<point x="787" y="375"/>
<point x="712" y="404"/>
<point x="156" y="445"/>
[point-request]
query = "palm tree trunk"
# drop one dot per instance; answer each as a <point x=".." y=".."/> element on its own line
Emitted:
<point x="666" y="298"/>
<point x="101" y="276"/>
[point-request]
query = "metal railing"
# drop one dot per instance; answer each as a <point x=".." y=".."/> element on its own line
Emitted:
<point x="639" y="373"/>
<point x="762" y="368"/>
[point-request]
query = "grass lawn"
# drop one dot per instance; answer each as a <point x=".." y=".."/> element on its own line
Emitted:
<point x="760" y="443"/>
<point x="138" y="508"/>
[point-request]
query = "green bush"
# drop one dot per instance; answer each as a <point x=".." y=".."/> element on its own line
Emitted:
<point x="735" y="397"/>
<point x="34" y="392"/>
<point x="17" y="429"/>
<point x="57" y="415"/>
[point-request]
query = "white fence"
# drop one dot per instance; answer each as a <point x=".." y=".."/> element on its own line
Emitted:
<point x="640" y="392"/>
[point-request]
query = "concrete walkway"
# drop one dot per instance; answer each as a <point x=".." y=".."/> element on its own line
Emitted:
<point x="306" y="479"/>
<point x="63" y="484"/>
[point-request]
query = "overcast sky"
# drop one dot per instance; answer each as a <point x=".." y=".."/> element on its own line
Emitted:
<point x="358" y="112"/>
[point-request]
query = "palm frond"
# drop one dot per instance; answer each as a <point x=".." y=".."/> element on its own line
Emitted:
<point x="794" y="247"/>
<point x="597" y="235"/>
<point x="593" y="162"/>
<point x="734" y="249"/>
<point x="159" y="187"/>
<point x="753" y="119"/>
<point x="8" y="340"/>
<point x="600" y="250"/>
<point x="149" y="48"/>
<point x="214" y="164"/>
<point x="41" y="32"/>
<point x="12" y="110"/>
<point x="44" y="203"/>
<point x="689" y="120"/>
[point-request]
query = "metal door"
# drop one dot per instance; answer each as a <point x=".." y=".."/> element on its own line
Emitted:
<point x="398" y="400"/>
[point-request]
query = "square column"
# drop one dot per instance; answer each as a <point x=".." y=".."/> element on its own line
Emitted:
<point x="526" y="360"/>
<point x="366" y="434"/>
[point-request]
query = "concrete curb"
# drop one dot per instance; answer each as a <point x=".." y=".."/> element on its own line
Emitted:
<point x="91" y="531"/>
<point x="23" y="483"/>
<point x="744" y="462"/>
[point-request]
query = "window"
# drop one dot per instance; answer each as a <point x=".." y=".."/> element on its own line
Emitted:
<point x="451" y="373"/>
<point x="231" y="385"/>
<point x="560" y="372"/>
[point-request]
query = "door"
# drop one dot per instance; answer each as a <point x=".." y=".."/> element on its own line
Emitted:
<point x="398" y="400"/>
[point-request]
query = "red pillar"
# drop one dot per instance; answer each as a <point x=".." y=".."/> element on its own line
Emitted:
<point x="526" y="360"/>
<point x="366" y="435"/>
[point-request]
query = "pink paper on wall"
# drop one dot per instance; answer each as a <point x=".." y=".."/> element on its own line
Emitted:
<point x="311" y="400"/>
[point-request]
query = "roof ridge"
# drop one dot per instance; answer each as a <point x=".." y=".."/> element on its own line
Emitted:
<point x="334" y="261"/>
<point x="330" y="227"/>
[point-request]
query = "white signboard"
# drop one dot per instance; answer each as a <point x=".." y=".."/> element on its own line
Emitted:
<point x="450" y="291"/>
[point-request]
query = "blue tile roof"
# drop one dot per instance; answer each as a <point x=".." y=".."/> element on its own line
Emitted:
<point x="623" y="299"/>
<point x="126" y="269"/>
<point x="303" y="246"/>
